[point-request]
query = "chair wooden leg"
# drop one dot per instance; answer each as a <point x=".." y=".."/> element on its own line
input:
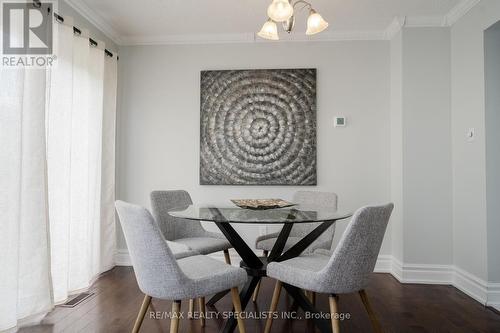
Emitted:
<point x="237" y="309"/>
<point x="274" y="306"/>
<point x="334" y="313"/>
<point x="227" y="258"/>
<point x="191" y="308"/>
<point x="256" y="291"/>
<point x="257" y="288"/>
<point x="174" y="320"/>
<point x="201" y="305"/>
<point x="369" y="310"/>
<point x="142" y="312"/>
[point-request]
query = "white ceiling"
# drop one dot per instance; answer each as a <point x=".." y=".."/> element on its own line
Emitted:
<point x="153" y="21"/>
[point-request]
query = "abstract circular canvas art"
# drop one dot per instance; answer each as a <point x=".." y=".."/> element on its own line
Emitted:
<point x="258" y="127"/>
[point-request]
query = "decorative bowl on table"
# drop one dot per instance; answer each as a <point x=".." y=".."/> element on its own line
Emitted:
<point x="262" y="204"/>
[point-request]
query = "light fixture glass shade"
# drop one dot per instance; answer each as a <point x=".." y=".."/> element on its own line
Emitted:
<point x="279" y="10"/>
<point x="315" y="23"/>
<point x="269" y="30"/>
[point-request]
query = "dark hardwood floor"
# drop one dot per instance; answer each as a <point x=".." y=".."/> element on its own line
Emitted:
<point x="400" y="308"/>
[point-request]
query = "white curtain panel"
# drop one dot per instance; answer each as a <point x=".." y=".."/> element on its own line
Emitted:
<point x="59" y="150"/>
<point x="81" y="163"/>
<point x="25" y="286"/>
<point x="108" y="224"/>
<point x="57" y="164"/>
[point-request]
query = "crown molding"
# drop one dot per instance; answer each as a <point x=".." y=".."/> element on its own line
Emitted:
<point x="392" y="29"/>
<point x="425" y="21"/>
<point x="413" y="22"/>
<point x="334" y="36"/>
<point x="249" y="38"/>
<point x="187" y="39"/>
<point x="329" y="36"/>
<point x="94" y="18"/>
<point x="457" y="12"/>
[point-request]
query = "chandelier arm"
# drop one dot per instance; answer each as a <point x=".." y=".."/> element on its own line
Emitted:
<point x="289" y="24"/>
<point x="305" y="3"/>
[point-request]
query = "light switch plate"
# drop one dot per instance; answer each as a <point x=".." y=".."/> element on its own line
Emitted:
<point x="339" y="121"/>
<point x="471" y="134"/>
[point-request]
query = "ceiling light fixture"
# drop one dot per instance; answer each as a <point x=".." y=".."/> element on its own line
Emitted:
<point x="279" y="10"/>
<point x="269" y="30"/>
<point x="315" y="23"/>
<point x="282" y="11"/>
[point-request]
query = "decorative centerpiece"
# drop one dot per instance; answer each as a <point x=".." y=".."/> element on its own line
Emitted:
<point x="261" y="204"/>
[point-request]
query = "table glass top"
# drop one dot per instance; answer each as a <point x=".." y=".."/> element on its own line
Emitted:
<point x="295" y="214"/>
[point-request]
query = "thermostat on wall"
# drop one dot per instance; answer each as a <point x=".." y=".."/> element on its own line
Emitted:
<point x="339" y="122"/>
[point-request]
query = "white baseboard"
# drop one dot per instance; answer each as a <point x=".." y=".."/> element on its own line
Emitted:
<point x="471" y="285"/>
<point x="494" y="295"/>
<point x="422" y="273"/>
<point x="384" y="264"/>
<point x="476" y="288"/>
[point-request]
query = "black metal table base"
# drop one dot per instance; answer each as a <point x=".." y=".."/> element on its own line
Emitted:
<point x="256" y="267"/>
<point x="302" y="301"/>
<point x="215" y="298"/>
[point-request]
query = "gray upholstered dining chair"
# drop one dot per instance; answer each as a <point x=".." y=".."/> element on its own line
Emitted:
<point x="312" y="199"/>
<point x="347" y="270"/>
<point x="179" y="250"/>
<point x="185" y="233"/>
<point x="162" y="276"/>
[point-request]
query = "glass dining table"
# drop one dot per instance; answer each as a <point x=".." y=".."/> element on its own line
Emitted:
<point x="255" y="266"/>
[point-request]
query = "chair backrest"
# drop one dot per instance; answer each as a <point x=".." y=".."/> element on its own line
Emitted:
<point x="173" y="227"/>
<point x="355" y="256"/>
<point x="313" y="199"/>
<point x="154" y="264"/>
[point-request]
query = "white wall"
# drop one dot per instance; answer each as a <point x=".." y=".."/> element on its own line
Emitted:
<point x="427" y="187"/>
<point x="469" y="160"/>
<point x="492" y="77"/>
<point x="421" y="146"/>
<point x="158" y="120"/>
<point x="397" y="225"/>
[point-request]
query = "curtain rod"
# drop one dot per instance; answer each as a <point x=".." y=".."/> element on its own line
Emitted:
<point x="77" y="31"/>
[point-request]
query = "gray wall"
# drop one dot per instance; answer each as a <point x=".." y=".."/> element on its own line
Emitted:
<point x="427" y="146"/>
<point x="469" y="158"/>
<point x="492" y="78"/>
<point x="158" y="121"/>
<point x="421" y="146"/>
<point x="396" y="79"/>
